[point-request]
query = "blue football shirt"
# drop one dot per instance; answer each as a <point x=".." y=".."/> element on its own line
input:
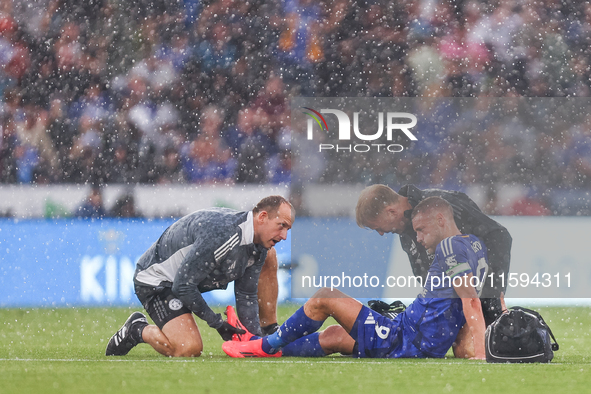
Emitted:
<point x="436" y="316"/>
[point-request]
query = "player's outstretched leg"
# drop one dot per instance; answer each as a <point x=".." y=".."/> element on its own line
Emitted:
<point x="128" y="336"/>
<point x="306" y="320"/>
<point x="297" y="326"/>
<point x="234" y="321"/>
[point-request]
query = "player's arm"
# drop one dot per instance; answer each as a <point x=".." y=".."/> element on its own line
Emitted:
<point x="463" y="346"/>
<point x="474" y="317"/>
<point x="503" y="305"/>
<point x="195" y="267"/>
<point x="268" y="290"/>
<point x="247" y="305"/>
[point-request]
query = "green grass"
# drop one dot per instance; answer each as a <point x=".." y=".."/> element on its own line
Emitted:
<point x="61" y="351"/>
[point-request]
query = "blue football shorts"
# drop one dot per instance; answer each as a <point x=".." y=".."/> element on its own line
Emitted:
<point x="377" y="336"/>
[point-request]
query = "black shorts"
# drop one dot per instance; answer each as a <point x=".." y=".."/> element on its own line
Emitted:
<point x="491" y="309"/>
<point x="498" y="243"/>
<point x="160" y="303"/>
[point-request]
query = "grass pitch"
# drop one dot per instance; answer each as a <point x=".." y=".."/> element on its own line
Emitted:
<point x="62" y="351"/>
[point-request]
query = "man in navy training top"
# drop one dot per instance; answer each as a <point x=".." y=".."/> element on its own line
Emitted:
<point x="202" y="251"/>
<point x="430" y="325"/>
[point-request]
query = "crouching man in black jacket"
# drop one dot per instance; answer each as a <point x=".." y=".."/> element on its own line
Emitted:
<point x="381" y="209"/>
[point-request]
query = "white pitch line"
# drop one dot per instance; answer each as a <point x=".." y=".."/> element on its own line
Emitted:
<point x="197" y="360"/>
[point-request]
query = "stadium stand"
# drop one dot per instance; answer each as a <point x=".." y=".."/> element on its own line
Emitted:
<point x="109" y="92"/>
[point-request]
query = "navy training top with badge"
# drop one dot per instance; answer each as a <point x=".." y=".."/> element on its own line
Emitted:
<point x="203" y="251"/>
<point x="436" y="316"/>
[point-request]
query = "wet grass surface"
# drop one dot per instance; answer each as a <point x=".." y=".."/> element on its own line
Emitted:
<point x="62" y="351"/>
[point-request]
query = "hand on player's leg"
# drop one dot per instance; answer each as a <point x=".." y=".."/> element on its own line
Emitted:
<point x="233" y="320"/>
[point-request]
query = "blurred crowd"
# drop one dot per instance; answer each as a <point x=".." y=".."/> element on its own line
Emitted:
<point x="190" y="91"/>
<point x="141" y="92"/>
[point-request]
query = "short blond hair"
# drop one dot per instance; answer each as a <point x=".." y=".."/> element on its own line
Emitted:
<point x="431" y="204"/>
<point x="372" y="202"/>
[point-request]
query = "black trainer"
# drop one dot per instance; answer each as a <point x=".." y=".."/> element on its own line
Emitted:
<point x="389" y="310"/>
<point x="122" y="342"/>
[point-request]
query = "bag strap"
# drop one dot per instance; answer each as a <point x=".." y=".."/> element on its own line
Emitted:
<point x="554" y="345"/>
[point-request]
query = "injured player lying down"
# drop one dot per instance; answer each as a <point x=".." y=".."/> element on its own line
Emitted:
<point x="446" y="312"/>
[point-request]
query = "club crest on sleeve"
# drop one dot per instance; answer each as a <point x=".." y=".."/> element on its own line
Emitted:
<point x="175" y="304"/>
<point x="451" y="261"/>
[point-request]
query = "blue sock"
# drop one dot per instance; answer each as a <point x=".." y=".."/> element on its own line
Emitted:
<point x="297" y="326"/>
<point x="308" y="346"/>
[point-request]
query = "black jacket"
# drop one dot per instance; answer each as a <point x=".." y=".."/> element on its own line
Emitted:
<point x="470" y="220"/>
